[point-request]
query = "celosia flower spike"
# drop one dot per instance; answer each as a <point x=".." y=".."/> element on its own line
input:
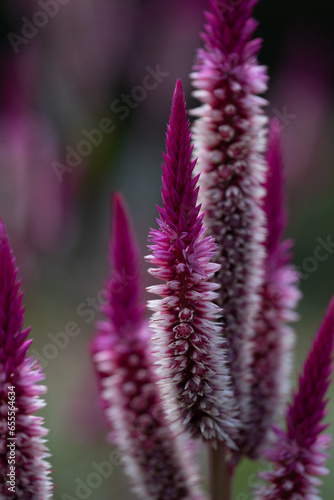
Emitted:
<point x="187" y="337"/>
<point x="156" y="454"/>
<point x="229" y="138"/>
<point x="123" y="308"/>
<point x="273" y="341"/>
<point x="22" y="441"/>
<point x="299" y="453"/>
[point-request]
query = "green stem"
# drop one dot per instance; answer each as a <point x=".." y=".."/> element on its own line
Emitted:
<point x="220" y="478"/>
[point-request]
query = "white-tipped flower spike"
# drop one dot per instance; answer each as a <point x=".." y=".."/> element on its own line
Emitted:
<point x="274" y="339"/>
<point x="188" y="339"/>
<point x="22" y="433"/>
<point x="229" y="137"/>
<point x="156" y="453"/>
<point x="298" y="455"/>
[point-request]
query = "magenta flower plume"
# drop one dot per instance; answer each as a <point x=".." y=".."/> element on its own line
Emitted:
<point x="274" y="339"/>
<point x="156" y="455"/>
<point x="299" y="453"/>
<point x="19" y="375"/>
<point x="229" y="139"/>
<point x="186" y="334"/>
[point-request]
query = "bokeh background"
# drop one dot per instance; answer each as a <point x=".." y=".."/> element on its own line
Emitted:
<point x="66" y="77"/>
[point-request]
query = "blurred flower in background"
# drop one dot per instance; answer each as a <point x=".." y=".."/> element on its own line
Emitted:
<point x="301" y="100"/>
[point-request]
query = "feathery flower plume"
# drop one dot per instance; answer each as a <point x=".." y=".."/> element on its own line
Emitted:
<point x="156" y="457"/>
<point x="186" y="334"/>
<point x="229" y="140"/>
<point x="18" y="388"/>
<point x="273" y="341"/>
<point x="299" y="453"/>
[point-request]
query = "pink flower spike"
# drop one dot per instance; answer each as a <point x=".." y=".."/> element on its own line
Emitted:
<point x="156" y="452"/>
<point x="229" y="137"/>
<point x="19" y="388"/>
<point x="191" y="352"/>
<point x="299" y="454"/>
<point x="274" y="339"/>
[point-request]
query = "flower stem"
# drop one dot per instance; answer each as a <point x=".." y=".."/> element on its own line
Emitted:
<point x="220" y="479"/>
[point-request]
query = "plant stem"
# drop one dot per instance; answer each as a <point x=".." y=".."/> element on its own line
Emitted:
<point x="220" y="479"/>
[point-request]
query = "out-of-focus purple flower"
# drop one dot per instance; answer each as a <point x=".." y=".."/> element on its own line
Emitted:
<point x="156" y="453"/>
<point x="300" y="99"/>
<point x="124" y="307"/>
<point x="191" y="353"/>
<point x="273" y="341"/>
<point x="299" y="453"/>
<point x="31" y="199"/>
<point x="229" y="138"/>
<point x="19" y="376"/>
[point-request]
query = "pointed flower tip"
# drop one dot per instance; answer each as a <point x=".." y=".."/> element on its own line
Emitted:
<point x="116" y="200"/>
<point x="275" y="126"/>
<point x="274" y="140"/>
<point x="124" y="251"/>
<point x="323" y="345"/>
<point x="121" y="217"/>
<point x="179" y="100"/>
<point x="5" y="248"/>
<point x="3" y="234"/>
<point x="329" y="318"/>
<point x="178" y="88"/>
